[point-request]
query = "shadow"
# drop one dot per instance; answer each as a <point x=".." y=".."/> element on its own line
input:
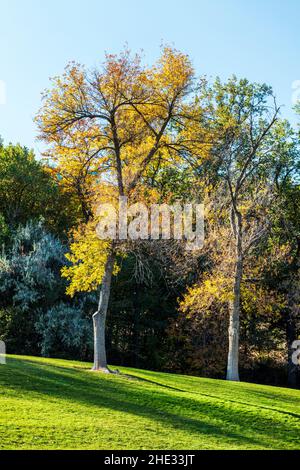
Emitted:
<point x="153" y="382"/>
<point x="214" y="397"/>
<point x="154" y="401"/>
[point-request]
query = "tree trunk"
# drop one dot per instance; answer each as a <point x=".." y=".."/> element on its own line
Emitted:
<point x="234" y="320"/>
<point x="99" y="318"/>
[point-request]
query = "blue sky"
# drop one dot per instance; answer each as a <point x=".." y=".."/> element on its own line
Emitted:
<point x="257" y="39"/>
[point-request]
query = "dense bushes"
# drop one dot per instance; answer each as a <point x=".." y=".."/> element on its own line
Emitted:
<point x="144" y="327"/>
<point x="36" y="316"/>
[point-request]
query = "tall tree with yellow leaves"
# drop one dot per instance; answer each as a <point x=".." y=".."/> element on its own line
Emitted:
<point x="105" y="128"/>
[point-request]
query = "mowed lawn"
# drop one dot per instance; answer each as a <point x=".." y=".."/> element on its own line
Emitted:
<point x="59" y="404"/>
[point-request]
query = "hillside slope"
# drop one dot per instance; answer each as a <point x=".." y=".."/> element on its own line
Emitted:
<point x="58" y="404"/>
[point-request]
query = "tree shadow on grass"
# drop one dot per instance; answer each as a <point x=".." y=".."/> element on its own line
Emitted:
<point x="215" y="397"/>
<point x="150" y="400"/>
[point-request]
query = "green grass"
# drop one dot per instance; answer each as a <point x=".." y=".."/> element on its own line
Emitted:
<point x="58" y="404"/>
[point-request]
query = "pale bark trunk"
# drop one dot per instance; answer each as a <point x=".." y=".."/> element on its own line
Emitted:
<point x="99" y="318"/>
<point x="234" y="318"/>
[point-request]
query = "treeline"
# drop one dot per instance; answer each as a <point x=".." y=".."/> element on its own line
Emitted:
<point x="157" y="135"/>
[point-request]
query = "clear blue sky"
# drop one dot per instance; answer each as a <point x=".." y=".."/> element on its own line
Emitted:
<point x="257" y="39"/>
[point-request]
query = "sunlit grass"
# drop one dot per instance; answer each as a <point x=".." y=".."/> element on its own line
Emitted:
<point x="58" y="404"/>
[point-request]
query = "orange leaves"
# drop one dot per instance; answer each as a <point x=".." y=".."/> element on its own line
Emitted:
<point x="174" y="72"/>
<point x="107" y="127"/>
<point x="117" y="119"/>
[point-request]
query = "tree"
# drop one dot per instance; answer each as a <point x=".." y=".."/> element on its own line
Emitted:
<point x="283" y="250"/>
<point x="123" y="118"/>
<point x="241" y="117"/>
<point x="27" y="191"/>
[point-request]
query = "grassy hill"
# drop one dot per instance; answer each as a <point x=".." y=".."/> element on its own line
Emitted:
<point x="58" y="404"/>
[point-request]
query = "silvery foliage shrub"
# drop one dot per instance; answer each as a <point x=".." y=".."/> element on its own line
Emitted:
<point x="64" y="326"/>
<point x="29" y="271"/>
<point x="31" y="285"/>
